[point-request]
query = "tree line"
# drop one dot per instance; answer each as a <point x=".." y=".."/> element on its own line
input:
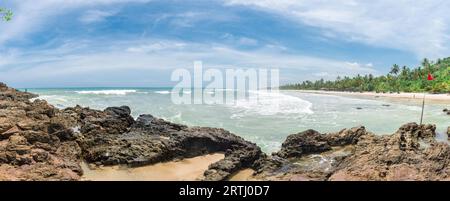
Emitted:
<point x="399" y="79"/>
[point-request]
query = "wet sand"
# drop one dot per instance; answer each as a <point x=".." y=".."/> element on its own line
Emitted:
<point x="184" y="170"/>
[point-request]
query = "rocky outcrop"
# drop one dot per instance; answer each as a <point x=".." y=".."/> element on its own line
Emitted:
<point x="447" y="111"/>
<point x="41" y="142"/>
<point x="28" y="151"/>
<point x="311" y="141"/>
<point x="411" y="153"/>
<point x="401" y="156"/>
<point x="35" y="136"/>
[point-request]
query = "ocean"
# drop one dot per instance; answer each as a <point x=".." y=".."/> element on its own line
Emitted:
<point x="267" y="121"/>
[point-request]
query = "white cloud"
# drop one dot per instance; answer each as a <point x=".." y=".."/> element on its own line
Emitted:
<point x="241" y="40"/>
<point x="29" y="15"/>
<point x="92" y="16"/>
<point x="161" y="45"/>
<point x="77" y="58"/>
<point x="71" y="61"/>
<point x="422" y="26"/>
<point x="247" y="41"/>
<point x="355" y="66"/>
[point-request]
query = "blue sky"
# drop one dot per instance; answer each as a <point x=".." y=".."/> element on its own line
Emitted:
<point x="78" y="43"/>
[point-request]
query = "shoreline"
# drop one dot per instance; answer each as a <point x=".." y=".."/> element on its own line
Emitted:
<point x="416" y="97"/>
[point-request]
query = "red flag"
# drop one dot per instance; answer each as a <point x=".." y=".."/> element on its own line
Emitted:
<point x="430" y="77"/>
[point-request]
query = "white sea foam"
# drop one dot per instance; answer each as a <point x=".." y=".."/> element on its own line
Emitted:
<point x="271" y="103"/>
<point x="162" y="92"/>
<point x="107" y="92"/>
<point x="413" y="108"/>
<point x="55" y="98"/>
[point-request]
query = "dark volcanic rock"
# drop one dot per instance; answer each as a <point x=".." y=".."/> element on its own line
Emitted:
<point x="447" y="111"/>
<point x="306" y="142"/>
<point x="10" y="94"/>
<point x="311" y="141"/>
<point x="146" y="123"/>
<point x="151" y="140"/>
<point x="346" y="136"/>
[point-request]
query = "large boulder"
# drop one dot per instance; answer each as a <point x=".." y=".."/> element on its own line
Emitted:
<point x="307" y="142"/>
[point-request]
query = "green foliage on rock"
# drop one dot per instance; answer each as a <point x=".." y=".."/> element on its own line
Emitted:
<point x="399" y="79"/>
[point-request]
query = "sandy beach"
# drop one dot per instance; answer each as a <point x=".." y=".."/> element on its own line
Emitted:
<point x="243" y="175"/>
<point x="184" y="170"/>
<point x="435" y="98"/>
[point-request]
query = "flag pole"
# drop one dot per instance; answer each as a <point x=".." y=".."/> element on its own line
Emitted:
<point x="429" y="78"/>
<point x="423" y="106"/>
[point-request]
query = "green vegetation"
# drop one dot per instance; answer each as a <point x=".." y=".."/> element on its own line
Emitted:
<point x="5" y="14"/>
<point x="399" y="79"/>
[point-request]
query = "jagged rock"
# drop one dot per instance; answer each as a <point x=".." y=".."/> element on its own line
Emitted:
<point x="346" y="136"/>
<point x="234" y="161"/>
<point x="311" y="141"/>
<point x="149" y="124"/>
<point x="306" y="142"/>
<point x="395" y="157"/>
<point x="153" y="140"/>
<point x="6" y="134"/>
<point x="40" y="155"/>
<point x="27" y="150"/>
<point x="356" y="154"/>
<point x="428" y="131"/>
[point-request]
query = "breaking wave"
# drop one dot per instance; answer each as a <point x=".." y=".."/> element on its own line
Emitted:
<point x="271" y="103"/>
<point x="162" y="92"/>
<point x="107" y="92"/>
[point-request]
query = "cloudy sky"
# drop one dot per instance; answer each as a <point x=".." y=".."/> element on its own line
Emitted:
<point x="77" y="43"/>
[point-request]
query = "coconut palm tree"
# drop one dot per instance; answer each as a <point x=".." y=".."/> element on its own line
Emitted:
<point x="426" y="64"/>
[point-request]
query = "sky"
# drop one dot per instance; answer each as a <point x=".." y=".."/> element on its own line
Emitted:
<point x="110" y="43"/>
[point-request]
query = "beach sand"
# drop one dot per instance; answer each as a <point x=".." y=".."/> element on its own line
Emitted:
<point x="184" y="170"/>
<point x="243" y="175"/>
<point x="416" y="97"/>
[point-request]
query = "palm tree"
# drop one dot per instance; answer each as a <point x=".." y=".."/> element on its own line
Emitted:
<point x="405" y="72"/>
<point x="395" y="69"/>
<point x="426" y="64"/>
